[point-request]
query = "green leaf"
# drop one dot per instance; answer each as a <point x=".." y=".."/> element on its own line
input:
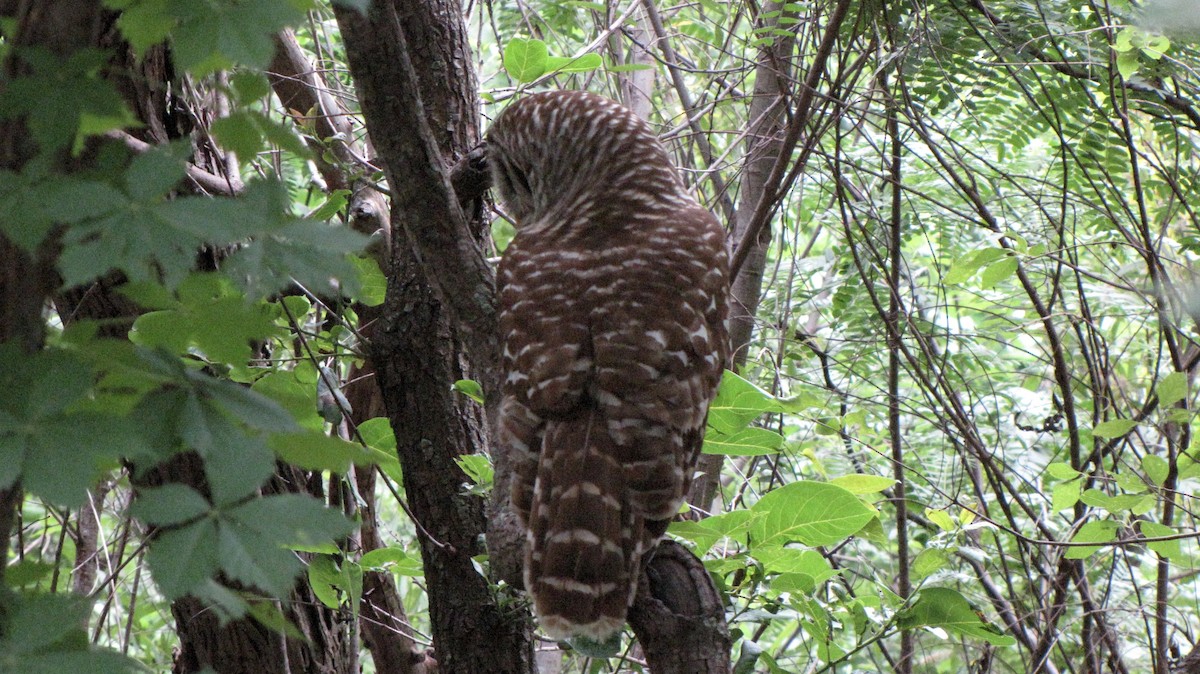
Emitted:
<point x="67" y="453"/>
<point x="92" y="660"/>
<point x="247" y="132"/>
<point x="84" y="103"/>
<point x="1065" y="495"/>
<point x="751" y="441"/>
<point x="217" y="321"/>
<point x="525" y="60"/>
<point x="946" y="608"/>
<point x="226" y="603"/>
<point x="928" y="562"/>
<point x="239" y="133"/>
<point x="148" y="237"/>
<point x="26" y="572"/>
<point x="999" y="270"/>
<point x="794" y="583"/>
<point x="477" y="467"/>
<point x="862" y="484"/>
<point x="317" y="451"/>
<point x="708" y="531"/>
<point x="323" y="575"/>
<point x="378" y="435"/>
<point x="395" y="560"/>
<point x="148" y="295"/>
<point x="292" y="390"/>
<point x="629" y="67"/>
<point x="1145" y="504"/>
<point x="782" y="560"/>
<point x="1128" y="63"/>
<point x="144" y="23"/>
<point x="573" y="64"/>
<point x="169" y="505"/>
<point x="738" y="402"/>
<point x="42" y="621"/>
<point x="293" y="519"/>
<point x="334" y="203"/>
<point x="311" y="253"/>
<point x="182" y="559"/>
<point x="246" y="557"/>
<point x="470" y="388"/>
<point x="1113" y="504"/>
<point x="1156" y="47"/>
<point x="1125" y="38"/>
<point x="212" y="36"/>
<point x="1167" y="549"/>
<point x="236" y="463"/>
<point x="1156" y="469"/>
<point x="941" y="518"/>
<point x="1113" y="428"/>
<point x="1172" y="389"/>
<point x="271" y="616"/>
<point x="43" y="635"/>
<point x="1062" y="471"/>
<point x="250" y="86"/>
<point x="154" y="173"/>
<point x="814" y="513"/>
<point x="253" y="409"/>
<point x="1098" y="531"/>
<point x="24" y="207"/>
<point x="963" y="268"/>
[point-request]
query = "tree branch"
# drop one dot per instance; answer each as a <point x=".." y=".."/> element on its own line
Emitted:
<point x="422" y="196"/>
<point x="678" y="615"/>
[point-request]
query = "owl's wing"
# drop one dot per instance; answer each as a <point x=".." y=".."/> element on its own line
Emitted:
<point x="546" y="357"/>
<point x="659" y="345"/>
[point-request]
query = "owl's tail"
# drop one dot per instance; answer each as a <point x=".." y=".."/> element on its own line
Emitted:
<point x="585" y="545"/>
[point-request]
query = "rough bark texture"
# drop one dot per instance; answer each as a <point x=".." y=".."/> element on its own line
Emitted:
<point x="1190" y="664"/>
<point x="439" y="297"/>
<point x="679" y="617"/>
<point x="405" y="132"/>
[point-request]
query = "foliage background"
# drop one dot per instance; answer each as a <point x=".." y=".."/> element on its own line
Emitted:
<point x="961" y="439"/>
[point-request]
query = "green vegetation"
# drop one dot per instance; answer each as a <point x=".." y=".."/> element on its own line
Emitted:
<point x="960" y="436"/>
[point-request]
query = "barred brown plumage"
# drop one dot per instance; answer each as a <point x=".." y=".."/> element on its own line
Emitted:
<point x="613" y="303"/>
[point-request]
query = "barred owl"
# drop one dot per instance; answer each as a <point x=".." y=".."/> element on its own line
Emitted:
<point x="613" y="302"/>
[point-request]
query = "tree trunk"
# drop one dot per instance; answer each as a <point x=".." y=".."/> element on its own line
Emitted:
<point x="439" y="313"/>
<point x="679" y="616"/>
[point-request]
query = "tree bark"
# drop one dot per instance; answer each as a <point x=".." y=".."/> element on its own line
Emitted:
<point x="679" y="616"/>
<point x="440" y="307"/>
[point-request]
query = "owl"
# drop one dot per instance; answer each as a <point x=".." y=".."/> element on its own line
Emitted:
<point x="613" y="302"/>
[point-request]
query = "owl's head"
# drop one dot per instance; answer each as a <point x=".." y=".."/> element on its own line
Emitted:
<point x="574" y="150"/>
